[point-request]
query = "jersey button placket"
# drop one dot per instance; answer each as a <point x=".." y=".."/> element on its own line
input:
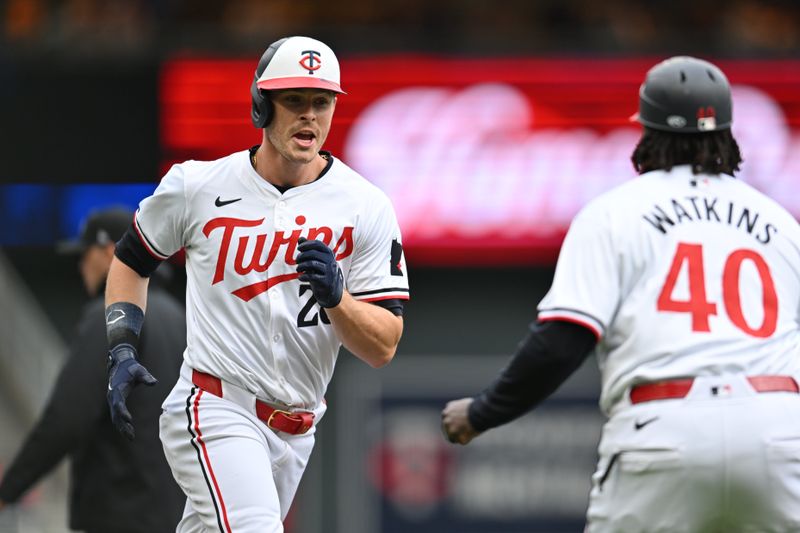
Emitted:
<point x="280" y="216"/>
<point x="277" y="304"/>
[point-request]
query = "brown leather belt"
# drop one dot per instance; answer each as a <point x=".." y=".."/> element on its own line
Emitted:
<point x="679" y="388"/>
<point x="294" y="423"/>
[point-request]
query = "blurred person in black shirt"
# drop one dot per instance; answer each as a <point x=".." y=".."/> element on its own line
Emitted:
<point x="116" y="485"/>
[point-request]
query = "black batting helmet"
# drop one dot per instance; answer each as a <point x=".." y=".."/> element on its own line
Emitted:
<point x="292" y="62"/>
<point x="685" y="95"/>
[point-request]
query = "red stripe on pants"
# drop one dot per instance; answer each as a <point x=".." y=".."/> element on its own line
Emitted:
<point x="199" y="439"/>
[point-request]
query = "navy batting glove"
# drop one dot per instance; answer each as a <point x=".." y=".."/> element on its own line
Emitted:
<point x="317" y="266"/>
<point x="124" y="373"/>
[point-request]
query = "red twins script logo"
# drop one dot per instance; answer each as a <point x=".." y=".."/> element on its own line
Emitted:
<point x="310" y="60"/>
<point x="280" y="240"/>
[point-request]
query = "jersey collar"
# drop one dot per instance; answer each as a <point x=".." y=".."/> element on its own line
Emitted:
<point x="271" y="189"/>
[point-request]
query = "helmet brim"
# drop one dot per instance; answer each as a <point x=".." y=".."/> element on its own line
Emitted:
<point x="299" y="82"/>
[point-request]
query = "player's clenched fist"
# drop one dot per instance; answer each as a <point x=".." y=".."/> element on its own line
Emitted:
<point x="455" y="422"/>
<point x="317" y="266"/>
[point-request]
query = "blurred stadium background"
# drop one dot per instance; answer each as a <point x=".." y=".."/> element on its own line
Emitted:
<point x="488" y="123"/>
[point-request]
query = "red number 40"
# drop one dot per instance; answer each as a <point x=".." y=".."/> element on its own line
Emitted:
<point x="698" y="305"/>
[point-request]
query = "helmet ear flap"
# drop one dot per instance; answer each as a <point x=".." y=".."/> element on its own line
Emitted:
<point x="261" y="109"/>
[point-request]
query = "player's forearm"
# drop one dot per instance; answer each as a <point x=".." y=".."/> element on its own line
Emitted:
<point x="125" y="285"/>
<point x="370" y="332"/>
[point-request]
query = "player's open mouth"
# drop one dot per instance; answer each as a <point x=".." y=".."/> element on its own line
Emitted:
<point x="304" y="138"/>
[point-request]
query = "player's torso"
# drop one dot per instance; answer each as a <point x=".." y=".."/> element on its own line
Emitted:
<point x="709" y="282"/>
<point x="251" y="321"/>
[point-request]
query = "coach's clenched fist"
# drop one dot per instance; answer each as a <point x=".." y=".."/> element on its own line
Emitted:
<point x="455" y="422"/>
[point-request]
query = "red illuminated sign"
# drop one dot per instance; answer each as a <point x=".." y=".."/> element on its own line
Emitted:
<point x="487" y="161"/>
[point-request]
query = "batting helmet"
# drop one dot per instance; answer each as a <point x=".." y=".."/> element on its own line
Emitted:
<point x="685" y="95"/>
<point x="290" y="63"/>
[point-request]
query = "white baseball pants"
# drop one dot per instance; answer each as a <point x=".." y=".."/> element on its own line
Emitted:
<point x="724" y="458"/>
<point x="239" y="475"/>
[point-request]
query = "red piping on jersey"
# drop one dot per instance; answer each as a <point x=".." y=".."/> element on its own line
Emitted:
<point x="587" y="325"/>
<point x="208" y="461"/>
<point x="378" y="298"/>
<point x="249" y="292"/>
<point x="144" y="241"/>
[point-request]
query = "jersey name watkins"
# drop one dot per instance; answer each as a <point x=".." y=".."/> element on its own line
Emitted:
<point x="258" y="261"/>
<point x="695" y="208"/>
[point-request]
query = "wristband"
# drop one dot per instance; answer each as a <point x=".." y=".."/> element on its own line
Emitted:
<point x="123" y="324"/>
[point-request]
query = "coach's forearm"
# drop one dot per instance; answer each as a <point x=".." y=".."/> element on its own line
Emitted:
<point x="125" y="285"/>
<point x="550" y="353"/>
<point x="372" y="333"/>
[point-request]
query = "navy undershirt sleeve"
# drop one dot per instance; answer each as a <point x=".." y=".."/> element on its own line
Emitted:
<point x="550" y="353"/>
<point x="133" y="253"/>
<point x="395" y="305"/>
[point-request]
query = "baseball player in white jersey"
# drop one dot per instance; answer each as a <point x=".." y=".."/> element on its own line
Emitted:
<point x="289" y="255"/>
<point x="686" y="283"/>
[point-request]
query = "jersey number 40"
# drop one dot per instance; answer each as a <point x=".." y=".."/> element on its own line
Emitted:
<point x="698" y="305"/>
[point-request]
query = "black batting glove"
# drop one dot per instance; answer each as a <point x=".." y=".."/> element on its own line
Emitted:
<point x="317" y="266"/>
<point x="124" y="373"/>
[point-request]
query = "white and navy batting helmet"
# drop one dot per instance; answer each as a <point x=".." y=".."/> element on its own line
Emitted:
<point x="290" y="63"/>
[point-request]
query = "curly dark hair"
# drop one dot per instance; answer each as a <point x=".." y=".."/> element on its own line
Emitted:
<point x="714" y="152"/>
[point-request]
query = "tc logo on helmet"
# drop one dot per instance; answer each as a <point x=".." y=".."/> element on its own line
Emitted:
<point x="310" y="61"/>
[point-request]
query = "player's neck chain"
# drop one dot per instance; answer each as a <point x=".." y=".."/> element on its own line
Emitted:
<point x="281" y="188"/>
<point x="255" y="167"/>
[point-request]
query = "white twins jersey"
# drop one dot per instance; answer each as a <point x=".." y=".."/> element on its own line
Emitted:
<point x="250" y="321"/>
<point x="679" y="276"/>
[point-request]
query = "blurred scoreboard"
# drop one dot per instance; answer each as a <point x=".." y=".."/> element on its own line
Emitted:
<point x="486" y="160"/>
